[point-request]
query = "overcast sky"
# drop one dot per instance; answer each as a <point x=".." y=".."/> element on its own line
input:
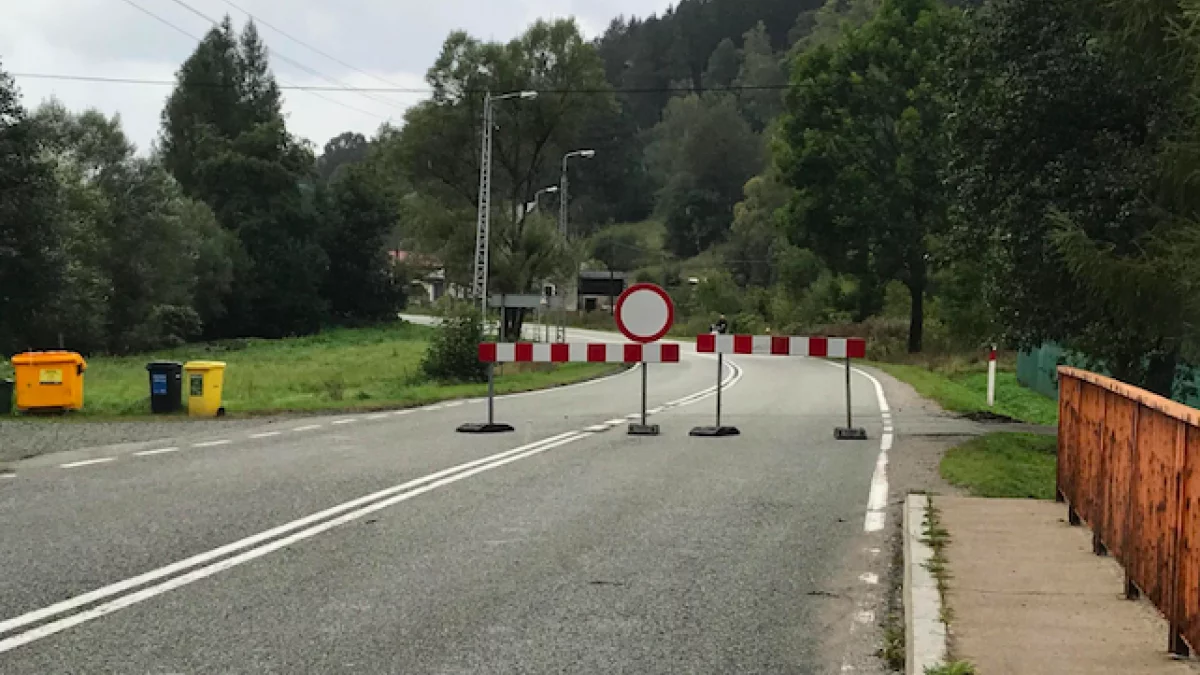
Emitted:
<point x="395" y="40"/>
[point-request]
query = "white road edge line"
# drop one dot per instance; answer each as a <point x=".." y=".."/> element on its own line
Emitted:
<point x="267" y="434"/>
<point x="309" y="427"/>
<point x="151" y="453"/>
<point x="876" y="517"/>
<point x="98" y="611"/>
<point x="86" y="462"/>
<point x="253" y="540"/>
<point x="351" y="420"/>
<point x="211" y="444"/>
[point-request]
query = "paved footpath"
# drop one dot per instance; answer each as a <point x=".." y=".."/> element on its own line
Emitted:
<point x="1029" y="597"/>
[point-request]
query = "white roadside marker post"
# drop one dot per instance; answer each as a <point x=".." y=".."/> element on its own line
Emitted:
<point x="991" y="385"/>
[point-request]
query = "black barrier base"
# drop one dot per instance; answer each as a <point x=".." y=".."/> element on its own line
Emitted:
<point x="850" y="434"/>
<point x="644" y="430"/>
<point x="485" y="428"/>
<point x="715" y="432"/>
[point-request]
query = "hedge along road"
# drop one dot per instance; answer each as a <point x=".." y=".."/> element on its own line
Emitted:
<point x="404" y="546"/>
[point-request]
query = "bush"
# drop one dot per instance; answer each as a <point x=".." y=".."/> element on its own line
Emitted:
<point x="453" y="353"/>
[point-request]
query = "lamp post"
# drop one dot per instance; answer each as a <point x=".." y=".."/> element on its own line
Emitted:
<point x="564" y="188"/>
<point x="538" y="195"/>
<point x="483" y="231"/>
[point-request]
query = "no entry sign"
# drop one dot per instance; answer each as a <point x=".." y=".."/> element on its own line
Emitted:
<point x="645" y="313"/>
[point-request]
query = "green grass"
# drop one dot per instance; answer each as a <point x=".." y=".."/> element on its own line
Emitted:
<point x="966" y="392"/>
<point x="1002" y="465"/>
<point x="956" y="668"/>
<point x="343" y="369"/>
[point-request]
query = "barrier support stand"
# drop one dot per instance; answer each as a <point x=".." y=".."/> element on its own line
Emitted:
<point x="717" y="431"/>
<point x="849" y="433"/>
<point x="489" y="427"/>
<point x="644" y="429"/>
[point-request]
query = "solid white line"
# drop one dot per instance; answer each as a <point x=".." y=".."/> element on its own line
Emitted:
<point x="377" y="416"/>
<point x="876" y="517"/>
<point x="598" y="428"/>
<point x="254" y="540"/>
<point x="434" y="407"/>
<point x="407" y="411"/>
<point x="203" y="572"/>
<point x="211" y="444"/>
<point x="266" y="434"/>
<point x="454" y="404"/>
<point x="151" y="453"/>
<point x="86" y="462"/>
<point x="310" y="427"/>
<point x="613" y="423"/>
<point x="346" y="421"/>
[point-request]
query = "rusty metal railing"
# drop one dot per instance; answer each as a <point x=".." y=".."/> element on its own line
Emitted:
<point x="1129" y="466"/>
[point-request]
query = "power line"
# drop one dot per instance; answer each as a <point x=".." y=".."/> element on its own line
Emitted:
<point x="156" y="17"/>
<point x="310" y="47"/>
<point x="402" y="90"/>
<point x="286" y="59"/>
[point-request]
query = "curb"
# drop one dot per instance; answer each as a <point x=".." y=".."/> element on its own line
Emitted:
<point x="925" y="634"/>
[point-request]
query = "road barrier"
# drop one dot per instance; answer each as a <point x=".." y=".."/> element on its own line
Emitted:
<point x="1129" y="466"/>
<point x="778" y="345"/>
<point x="492" y="353"/>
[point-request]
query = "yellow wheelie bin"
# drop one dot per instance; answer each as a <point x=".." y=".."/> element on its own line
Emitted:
<point x="205" y="384"/>
<point x="49" y="381"/>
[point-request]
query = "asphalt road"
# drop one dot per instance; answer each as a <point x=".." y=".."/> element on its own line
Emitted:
<point x="389" y="543"/>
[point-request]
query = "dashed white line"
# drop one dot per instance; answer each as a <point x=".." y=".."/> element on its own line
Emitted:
<point x="309" y="427"/>
<point x="454" y="404"/>
<point x="377" y="416"/>
<point x="598" y="428"/>
<point x="7" y="475"/>
<point x="151" y="453"/>
<point x="266" y="434"/>
<point x="351" y="420"/>
<point x="400" y="413"/>
<point x="869" y="578"/>
<point x="211" y="444"/>
<point x="86" y="462"/>
<point x="613" y="423"/>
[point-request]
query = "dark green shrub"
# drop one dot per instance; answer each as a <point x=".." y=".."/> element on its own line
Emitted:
<point x="453" y="353"/>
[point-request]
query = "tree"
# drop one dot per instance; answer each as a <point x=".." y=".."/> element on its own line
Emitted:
<point x="359" y="218"/>
<point x="702" y="154"/>
<point x="1075" y="136"/>
<point x="31" y="246"/>
<point x="758" y="240"/>
<point x="723" y="66"/>
<point x="762" y="76"/>
<point x="348" y="148"/>
<point x="621" y="250"/>
<point x="863" y="146"/>
<point x="228" y="145"/>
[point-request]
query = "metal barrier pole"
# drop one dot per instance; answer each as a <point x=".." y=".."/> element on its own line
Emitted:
<point x="645" y="428"/>
<point x="491" y="426"/>
<point x="849" y="433"/>
<point x="718" y="430"/>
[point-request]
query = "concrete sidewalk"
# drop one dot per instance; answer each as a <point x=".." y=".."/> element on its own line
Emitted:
<point x="1028" y="596"/>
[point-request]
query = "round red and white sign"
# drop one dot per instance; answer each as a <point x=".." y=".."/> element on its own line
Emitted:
<point x="645" y="313"/>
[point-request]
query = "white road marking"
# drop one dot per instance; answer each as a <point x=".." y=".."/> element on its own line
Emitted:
<point x="407" y="411"/>
<point x="7" y="475"/>
<point x="454" y="404"/>
<point x="876" y="518"/>
<point x="310" y="427"/>
<point x="433" y="407"/>
<point x="266" y="434"/>
<point x="613" y="423"/>
<point x="865" y="616"/>
<point x="655" y="411"/>
<point x="374" y="502"/>
<point x="86" y="462"/>
<point x="869" y="578"/>
<point x="633" y="416"/>
<point x="151" y="453"/>
<point x="351" y="420"/>
<point x="598" y="428"/>
<point x="211" y="444"/>
<point x="377" y="416"/>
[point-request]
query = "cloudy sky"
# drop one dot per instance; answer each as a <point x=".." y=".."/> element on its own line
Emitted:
<point x="392" y="42"/>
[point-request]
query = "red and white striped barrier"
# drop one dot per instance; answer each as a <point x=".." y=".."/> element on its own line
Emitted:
<point x="777" y="345"/>
<point x="577" y="352"/>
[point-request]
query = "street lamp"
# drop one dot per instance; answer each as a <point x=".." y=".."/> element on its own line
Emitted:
<point x="564" y="188"/>
<point x="483" y="231"/>
<point x="538" y="195"/>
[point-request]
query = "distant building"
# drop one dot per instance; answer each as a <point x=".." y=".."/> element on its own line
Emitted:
<point x="429" y="274"/>
<point x="596" y="290"/>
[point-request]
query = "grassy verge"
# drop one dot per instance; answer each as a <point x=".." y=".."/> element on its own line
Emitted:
<point x="344" y="369"/>
<point x="965" y="391"/>
<point x="1016" y="466"/>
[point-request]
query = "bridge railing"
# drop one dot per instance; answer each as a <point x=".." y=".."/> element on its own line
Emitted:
<point x="1129" y="466"/>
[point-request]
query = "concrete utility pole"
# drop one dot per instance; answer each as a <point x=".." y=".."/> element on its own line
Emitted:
<point x="483" y="231"/>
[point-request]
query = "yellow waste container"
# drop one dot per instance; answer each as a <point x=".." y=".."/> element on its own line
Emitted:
<point x="205" y="382"/>
<point x="49" y="381"/>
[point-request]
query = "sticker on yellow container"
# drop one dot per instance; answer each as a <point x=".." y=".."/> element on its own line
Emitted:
<point x="196" y="383"/>
<point x="50" y="376"/>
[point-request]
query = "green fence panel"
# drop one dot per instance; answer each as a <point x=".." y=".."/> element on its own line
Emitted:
<point x="1037" y="369"/>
